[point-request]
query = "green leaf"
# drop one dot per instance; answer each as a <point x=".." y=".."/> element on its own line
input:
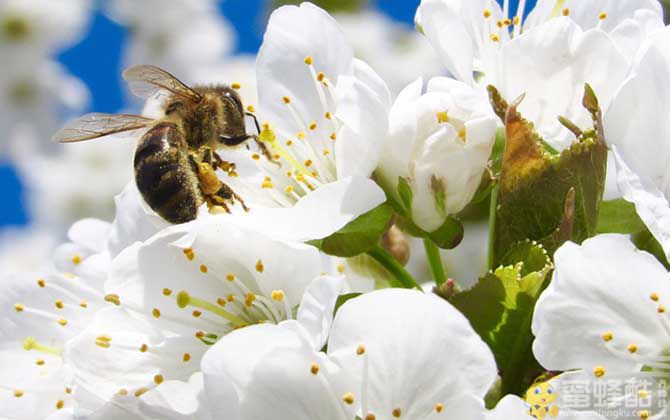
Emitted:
<point x="645" y="241"/>
<point x="329" y="5"/>
<point x="619" y="216"/>
<point x="360" y="235"/>
<point x="500" y="308"/>
<point x="535" y="184"/>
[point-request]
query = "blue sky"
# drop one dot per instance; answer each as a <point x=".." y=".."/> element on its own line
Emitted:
<point x="96" y="60"/>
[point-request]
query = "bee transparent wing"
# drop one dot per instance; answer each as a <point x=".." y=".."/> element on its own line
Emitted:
<point x="93" y="126"/>
<point x="146" y="81"/>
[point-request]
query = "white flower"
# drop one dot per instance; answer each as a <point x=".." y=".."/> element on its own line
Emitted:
<point x="393" y="49"/>
<point x="325" y="111"/>
<point x="548" y="60"/>
<point x="40" y="313"/>
<point x="391" y="353"/>
<point x="182" y="290"/>
<point x="513" y="407"/>
<point x="640" y="136"/>
<point x="36" y="27"/>
<point x="81" y="182"/>
<point x="440" y="142"/>
<point x="32" y="100"/>
<point x="604" y="313"/>
<point x="179" y="38"/>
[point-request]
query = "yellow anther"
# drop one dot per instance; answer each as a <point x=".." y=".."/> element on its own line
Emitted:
<point x="122" y="392"/>
<point x="599" y="371"/>
<point x="41" y="282"/>
<point x="19" y="307"/>
<point x="289" y="189"/>
<point x="462" y="133"/>
<point x="76" y="259"/>
<point x="348" y="398"/>
<point x="360" y="350"/>
<point x="308" y="163"/>
<point x="68" y="390"/>
<point x="643" y="393"/>
<point x="314" y="368"/>
<point x="442" y="117"/>
<point x="259" y="266"/>
<point x="255" y="156"/>
<point x="608" y="336"/>
<point x="487" y="13"/>
<point x="60" y="404"/>
<point x="507" y="22"/>
<point x="312" y="125"/>
<point x="267" y="183"/>
<point x="249" y="300"/>
<point x="18" y="393"/>
<point x="230" y="277"/>
<point x="661" y="309"/>
<point x="236" y="86"/>
<point x="632" y="348"/>
<point x="517" y="20"/>
<point x="320" y="76"/>
<point x="340" y="268"/>
<point x="289" y="142"/>
<point x="439" y="407"/>
<point x="326" y="152"/>
<point x="221" y="301"/>
<point x="39" y="362"/>
<point x="230" y="298"/>
<point x="333" y="136"/>
<point x="251" y="108"/>
<point x="566" y="12"/>
<point x="156" y="313"/>
<point x="645" y="414"/>
<point x="301" y="135"/>
<point x="396" y="412"/>
<point x="186" y="357"/>
<point x="158" y="379"/>
<point x="140" y="392"/>
<point x="113" y="298"/>
<point x="183" y="299"/>
<point x="500" y="24"/>
<point x="167" y="292"/>
<point x="83" y="304"/>
<point x="197" y="314"/>
<point x="286" y="100"/>
<point x="203" y="268"/>
<point x="308" y="60"/>
<point x="199" y="334"/>
<point x="654" y="297"/>
<point x="602" y="16"/>
<point x="278" y="295"/>
<point x="62" y="322"/>
<point x="103" y="341"/>
<point x="370" y="416"/>
<point x="189" y="253"/>
<point x="144" y="348"/>
<point x="495" y="38"/>
<point x="59" y="304"/>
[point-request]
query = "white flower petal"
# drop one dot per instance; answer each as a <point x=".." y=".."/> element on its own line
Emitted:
<point x="316" y="309"/>
<point x="410" y="338"/>
<point x="601" y="300"/>
<point x="176" y="400"/>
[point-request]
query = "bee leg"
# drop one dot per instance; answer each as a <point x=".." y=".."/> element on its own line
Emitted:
<point x="227" y="167"/>
<point x="227" y="193"/>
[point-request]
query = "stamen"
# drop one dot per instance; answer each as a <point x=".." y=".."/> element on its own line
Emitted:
<point x="41" y="283"/>
<point x="439" y="407"/>
<point x="167" y="292"/>
<point x="113" y="298"/>
<point x="236" y="86"/>
<point x="396" y="412"/>
<point x="31" y="343"/>
<point x="608" y="336"/>
<point x="184" y="300"/>
<point x="348" y="398"/>
<point x="259" y="266"/>
<point x="251" y="109"/>
<point x="76" y="259"/>
<point x="186" y="358"/>
<point x="203" y="268"/>
<point x="442" y="117"/>
<point x="189" y="253"/>
<point x="599" y="371"/>
<point x="314" y="368"/>
<point x="156" y="313"/>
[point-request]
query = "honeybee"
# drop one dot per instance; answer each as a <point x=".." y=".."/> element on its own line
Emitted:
<point x="175" y="159"/>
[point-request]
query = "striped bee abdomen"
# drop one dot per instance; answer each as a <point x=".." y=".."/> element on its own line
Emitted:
<point x="164" y="175"/>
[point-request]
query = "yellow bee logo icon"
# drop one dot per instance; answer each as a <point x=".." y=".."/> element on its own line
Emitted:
<point x="540" y="399"/>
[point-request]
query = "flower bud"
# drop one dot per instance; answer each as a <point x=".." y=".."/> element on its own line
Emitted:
<point x="439" y="142"/>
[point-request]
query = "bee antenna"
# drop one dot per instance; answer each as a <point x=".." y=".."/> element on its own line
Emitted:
<point x="258" y="127"/>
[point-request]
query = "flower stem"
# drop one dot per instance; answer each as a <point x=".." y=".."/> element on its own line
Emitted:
<point x="402" y="277"/>
<point x="493" y="214"/>
<point x="435" y="262"/>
